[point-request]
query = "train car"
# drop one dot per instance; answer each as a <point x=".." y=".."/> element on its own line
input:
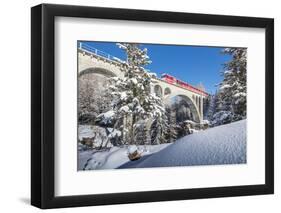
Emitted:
<point x="168" y="78"/>
<point x="172" y="80"/>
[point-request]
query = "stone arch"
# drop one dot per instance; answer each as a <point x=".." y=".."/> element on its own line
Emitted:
<point x="192" y="105"/>
<point x="97" y="70"/>
<point x="167" y="91"/>
<point x="158" y="90"/>
<point x="193" y="108"/>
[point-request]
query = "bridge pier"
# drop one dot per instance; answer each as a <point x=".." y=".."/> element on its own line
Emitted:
<point x="201" y="108"/>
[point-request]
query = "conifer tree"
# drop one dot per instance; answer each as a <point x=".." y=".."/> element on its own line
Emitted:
<point x="133" y="100"/>
<point x="232" y="94"/>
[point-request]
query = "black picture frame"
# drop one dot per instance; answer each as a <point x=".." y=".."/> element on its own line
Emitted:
<point x="43" y="105"/>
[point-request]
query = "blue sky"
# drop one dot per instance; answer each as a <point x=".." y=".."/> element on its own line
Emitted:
<point x="192" y="64"/>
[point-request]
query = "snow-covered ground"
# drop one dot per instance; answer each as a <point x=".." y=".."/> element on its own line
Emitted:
<point x="224" y="144"/>
<point x="114" y="157"/>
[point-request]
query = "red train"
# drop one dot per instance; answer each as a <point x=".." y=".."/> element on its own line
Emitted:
<point x="172" y="80"/>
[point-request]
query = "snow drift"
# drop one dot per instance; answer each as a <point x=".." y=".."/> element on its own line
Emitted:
<point x="219" y="145"/>
<point x="114" y="157"/>
<point x="224" y="144"/>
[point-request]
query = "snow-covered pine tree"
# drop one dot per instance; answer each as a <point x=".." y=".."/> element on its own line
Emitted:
<point x="206" y="106"/>
<point x="140" y="133"/>
<point x="232" y="93"/>
<point x="158" y="115"/>
<point x="212" y="107"/>
<point x="172" y="132"/>
<point x="133" y="100"/>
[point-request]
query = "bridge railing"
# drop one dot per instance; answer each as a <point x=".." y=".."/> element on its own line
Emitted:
<point x="85" y="47"/>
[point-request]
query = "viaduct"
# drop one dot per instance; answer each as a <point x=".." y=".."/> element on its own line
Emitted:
<point x="91" y="60"/>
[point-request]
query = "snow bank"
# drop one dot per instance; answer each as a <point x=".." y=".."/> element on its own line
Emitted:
<point x="114" y="157"/>
<point x="109" y="159"/>
<point x="224" y="144"/>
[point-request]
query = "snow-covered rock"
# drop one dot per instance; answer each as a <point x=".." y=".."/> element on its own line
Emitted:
<point x="205" y="122"/>
<point x="134" y="153"/>
<point x="95" y="135"/>
<point x="85" y="131"/>
<point x="132" y="149"/>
